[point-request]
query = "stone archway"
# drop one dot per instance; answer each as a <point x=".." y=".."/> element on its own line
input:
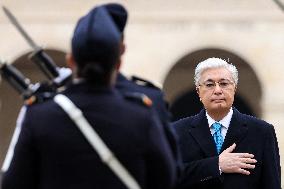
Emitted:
<point x="180" y="89"/>
<point x="11" y="101"/>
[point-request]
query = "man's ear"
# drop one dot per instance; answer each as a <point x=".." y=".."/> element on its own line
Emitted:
<point x="70" y="61"/>
<point x="197" y="90"/>
<point x="122" y="48"/>
<point x="117" y="66"/>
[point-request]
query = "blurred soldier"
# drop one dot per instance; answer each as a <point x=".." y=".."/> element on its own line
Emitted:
<point x="119" y="15"/>
<point x="52" y="153"/>
<point x="124" y="85"/>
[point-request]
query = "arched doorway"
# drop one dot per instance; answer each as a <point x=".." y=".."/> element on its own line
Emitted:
<point x="180" y="89"/>
<point x="11" y="101"/>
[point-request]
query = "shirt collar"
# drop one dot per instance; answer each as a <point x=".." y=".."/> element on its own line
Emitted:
<point x="225" y="122"/>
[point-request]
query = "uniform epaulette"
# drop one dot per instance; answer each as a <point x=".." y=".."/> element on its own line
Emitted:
<point x="39" y="98"/>
<point x="139" y="97"/>
<point x="143" y="82"/>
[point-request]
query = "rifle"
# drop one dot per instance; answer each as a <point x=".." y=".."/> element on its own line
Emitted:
<point x="30" y="93"/>
<point x="58" y="76"/>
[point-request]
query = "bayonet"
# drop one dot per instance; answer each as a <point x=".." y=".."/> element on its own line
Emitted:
<point x="15" y="22"/>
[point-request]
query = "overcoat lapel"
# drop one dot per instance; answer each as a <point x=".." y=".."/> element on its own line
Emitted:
<point x="201" y="133"/>
<point x="237" y="130"/>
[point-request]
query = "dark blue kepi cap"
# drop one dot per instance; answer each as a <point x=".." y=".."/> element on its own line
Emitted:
<point x="96" y="38"/>
<point x="118" y="13"/>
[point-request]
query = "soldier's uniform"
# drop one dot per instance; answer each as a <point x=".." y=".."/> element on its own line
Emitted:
<point x="155" y="94"/>
<point x="52" y="153"/>
<point x="160" y="110"/>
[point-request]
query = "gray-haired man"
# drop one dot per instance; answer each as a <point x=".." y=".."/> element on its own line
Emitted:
<point x="221" y="147"/>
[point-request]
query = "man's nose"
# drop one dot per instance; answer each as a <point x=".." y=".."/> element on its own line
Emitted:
<point x="217" y="88"/>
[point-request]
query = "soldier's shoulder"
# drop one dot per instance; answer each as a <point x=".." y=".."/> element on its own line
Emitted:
<point x="145" y="83"/>
<point x="138" y="98"/>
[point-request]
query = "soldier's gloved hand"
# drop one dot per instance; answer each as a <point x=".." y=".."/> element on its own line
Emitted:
<point x="42" y="92"/>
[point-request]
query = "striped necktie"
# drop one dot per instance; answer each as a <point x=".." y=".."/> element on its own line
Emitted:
<point x="218" y="138"/>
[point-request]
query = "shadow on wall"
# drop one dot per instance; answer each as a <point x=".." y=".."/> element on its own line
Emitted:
<point x="179" y="85"/>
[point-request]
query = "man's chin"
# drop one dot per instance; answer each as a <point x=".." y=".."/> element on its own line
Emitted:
<point x="219" y="106"/>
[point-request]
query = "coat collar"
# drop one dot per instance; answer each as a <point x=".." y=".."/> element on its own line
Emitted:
<point x="85" y="87"/>
<point x="237" y="130"/>
<point x="120" y="80"/>
<point x="200" y="131"/>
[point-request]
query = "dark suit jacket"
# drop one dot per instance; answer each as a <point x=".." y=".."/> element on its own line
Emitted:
<point x="52" y="153"/>
<point x="200" y="159"/>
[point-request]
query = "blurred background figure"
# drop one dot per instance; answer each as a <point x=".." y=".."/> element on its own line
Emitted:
<point x="52" y="153"/>
<point x="138" y="85"/>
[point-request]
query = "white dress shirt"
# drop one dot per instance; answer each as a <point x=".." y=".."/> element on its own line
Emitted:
<point x="225" y="122"/>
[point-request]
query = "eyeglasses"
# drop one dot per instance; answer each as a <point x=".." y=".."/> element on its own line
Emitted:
<point x="223" y="84"/>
